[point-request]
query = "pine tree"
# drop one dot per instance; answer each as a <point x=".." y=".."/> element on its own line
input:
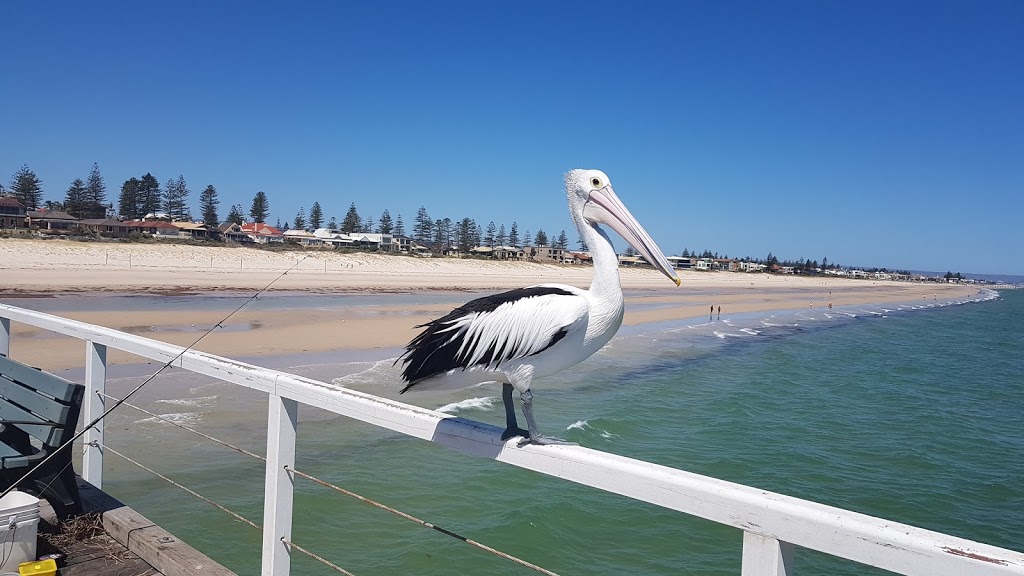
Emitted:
<point x="464" y="236"/>
<point x="316" y="216"/>
<point x="368" y="225"/>
<point x="176" y="200"/>
<point x="236" y="215"/>
<point x="477" y="234"/>
<point x="75" y="199"/>
<point x="489" y="235"/>
<point x="260" y="208"/>
<point x="149" y="197"/>
<point x="541" y="239"/>
<point x="208" y="203"/>
<point x="422" y="227"/>
<point x="333" y="224"/>
<point x="128" y="200"/>
<point x="399" y="226"/>
<point x="300" y="220"/>
<point x="501" y="237"/>
<point x="583" y="245"/>
<point x="385" y="225"/>
<point x="352" y="222"/>
<point x="527" y="238"/>
<point x="27" y="188"/>
<point x="563" y="240"/>
<point x="95" y="195"/>
<point x="513" y="236"/>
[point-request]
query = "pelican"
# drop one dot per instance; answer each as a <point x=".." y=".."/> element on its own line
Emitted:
<point x="528" y="333"/>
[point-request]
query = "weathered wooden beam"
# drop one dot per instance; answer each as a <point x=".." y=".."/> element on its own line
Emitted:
<point x="158" y="547"/>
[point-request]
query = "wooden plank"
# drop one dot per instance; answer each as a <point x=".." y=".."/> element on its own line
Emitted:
<point x="55" y="386"/>
<point x="158" y="547"/>
<point x="48" y="434"/>
<point x="23" y="394"/>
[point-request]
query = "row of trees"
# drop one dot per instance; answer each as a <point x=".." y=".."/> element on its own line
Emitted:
<point x="143" y="195"/>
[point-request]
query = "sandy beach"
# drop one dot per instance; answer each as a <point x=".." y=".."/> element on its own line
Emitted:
<point x="34" y="269"/>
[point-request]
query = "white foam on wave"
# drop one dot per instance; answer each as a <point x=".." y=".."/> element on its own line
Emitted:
<point x="183" y="418"/>
<point x="380" y="371"/>
<point x="750" y="331"/>
<point x="197" y="402"/>
<point x="579" y="425"/>
<point x="485" y="403"/>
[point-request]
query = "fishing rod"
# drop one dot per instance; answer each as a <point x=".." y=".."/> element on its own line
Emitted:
<point x="99" y="418"/>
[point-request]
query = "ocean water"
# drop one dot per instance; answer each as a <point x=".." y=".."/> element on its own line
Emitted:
<point x="911" y="412"/>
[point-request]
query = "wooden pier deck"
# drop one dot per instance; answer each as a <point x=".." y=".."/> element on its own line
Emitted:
<point x="99" y="544"/>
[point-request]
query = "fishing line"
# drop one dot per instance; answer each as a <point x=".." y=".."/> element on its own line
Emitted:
<point x="147" y="380"/>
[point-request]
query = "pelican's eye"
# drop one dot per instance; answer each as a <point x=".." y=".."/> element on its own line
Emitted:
<point x="595" y="182"/>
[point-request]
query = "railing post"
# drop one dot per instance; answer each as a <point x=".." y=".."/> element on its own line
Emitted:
<point x="92" y="407"/>
<point x="282" y="422"/>
<point x="766" y="556"/>
<point x="5" y="337"/>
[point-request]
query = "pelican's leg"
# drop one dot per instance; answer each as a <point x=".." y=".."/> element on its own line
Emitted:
<point x="535" y="437"/>
<point x="512" y="428"/>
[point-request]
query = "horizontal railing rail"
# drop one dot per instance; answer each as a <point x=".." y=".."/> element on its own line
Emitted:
<point x="773" y="524"/>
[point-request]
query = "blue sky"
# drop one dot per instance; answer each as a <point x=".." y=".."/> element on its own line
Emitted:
<point x="871" y="133"/>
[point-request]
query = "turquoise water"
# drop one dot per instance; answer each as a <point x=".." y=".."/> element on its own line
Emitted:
<point x="908" y="414"/>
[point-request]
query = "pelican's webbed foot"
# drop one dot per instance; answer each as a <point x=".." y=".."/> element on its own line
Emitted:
<point x="545" y="441"/>
<point x="535" y="437"/>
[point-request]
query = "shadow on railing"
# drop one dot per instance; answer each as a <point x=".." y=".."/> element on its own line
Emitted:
<point x="773" y="525"/>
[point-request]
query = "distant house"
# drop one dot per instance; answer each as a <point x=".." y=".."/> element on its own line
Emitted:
<point x="334" y="238"/>
<point x="155" y="228"/>
<point x="371" y="240"/>
<point x="196" y="231"/>
<point x="12" y="214"/>
<point x="400" y="243"/>
<point x="549" y="254"/>
<point x="303" y="237"/>
<point x="582" y="257"/>
<point x="262" y="233"/>
<point x="680" y="262"/>
<point x="232" y="232"/>
<point x="51" y="220"/>
<point x="507" y="253"/>
<point x="109" y="227"/>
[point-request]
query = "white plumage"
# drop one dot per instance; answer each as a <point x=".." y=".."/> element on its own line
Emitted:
<point x="517" y="336"/>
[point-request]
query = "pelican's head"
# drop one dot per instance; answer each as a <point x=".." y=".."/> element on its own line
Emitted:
<point x="591" y="198"/>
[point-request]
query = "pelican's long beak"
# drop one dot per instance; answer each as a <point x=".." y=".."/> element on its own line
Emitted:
<point x="618" y="217"/>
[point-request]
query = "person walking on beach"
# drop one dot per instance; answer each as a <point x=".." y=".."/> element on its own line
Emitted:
<point x="711" y="314"/>
<point x="719" y="312"/>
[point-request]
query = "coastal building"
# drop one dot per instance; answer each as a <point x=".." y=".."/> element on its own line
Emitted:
<point x="196" y="231"/>
<point x="262" y="233"/>
<point x="12" y="214"/>
<point x="231" y="232"/>
<point x="109" y="227"/>
<point x="372" y="240"/>
<point x="680" y="262"/>
<point x="705" y="264"/>
<point x="548" y="254"/>
<point x="400" y="243"/>
<point x="333" y="238"/>
<point x="159" y="229"/>
<point x="303" y="237"/>
<point x="50" y="220"/>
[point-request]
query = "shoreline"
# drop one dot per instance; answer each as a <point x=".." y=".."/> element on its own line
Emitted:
<point x="307" y="311"/>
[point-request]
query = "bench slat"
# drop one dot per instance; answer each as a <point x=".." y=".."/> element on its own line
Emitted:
<point x="11" y="458"/>
<point x="49" y="435"/>
<point x="28" y="398"/>
<point x="55" y="386"/>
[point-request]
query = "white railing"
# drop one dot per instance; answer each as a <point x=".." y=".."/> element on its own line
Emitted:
<point x="773" y="525"/>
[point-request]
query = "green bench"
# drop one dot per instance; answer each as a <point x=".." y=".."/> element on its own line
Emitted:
<point x="38" y="414"/>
